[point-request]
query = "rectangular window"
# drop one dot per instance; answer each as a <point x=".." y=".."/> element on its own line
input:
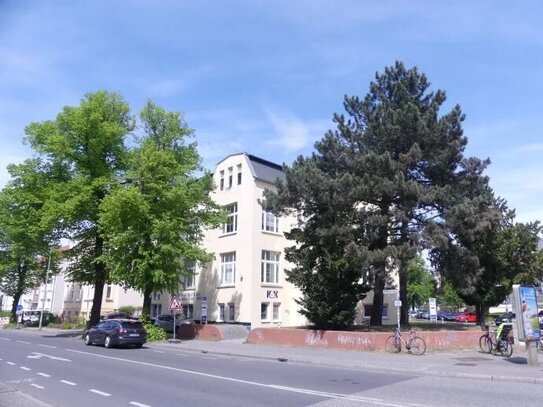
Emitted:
<point x="270" y="222"/>
<point x="108" y="292"/>
<point x="231" y="312"/>
<point x="222" y="180"/>
<point x="385" y="311"/>
<point x="269" y="268"/>
<point x="189" y="281"/>
<point x="188" y="311"/>
<point x="221" y="312"/>
<point x="231" y="224"/>
<point x="276" y="314"/>
<point x="239" y="174"/>
<point x="156" y="310"/>
<point x="228" y="268"/>
<point x="230" y="177"/>
<point x="156" y="296"/>
<point x="368" y="308"/>
<point x="264" y="311"/>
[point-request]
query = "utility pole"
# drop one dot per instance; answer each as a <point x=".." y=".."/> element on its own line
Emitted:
<point x="45" y="289"/>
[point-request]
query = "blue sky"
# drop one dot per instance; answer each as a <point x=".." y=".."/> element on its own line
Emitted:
<point x="265" y="77"/>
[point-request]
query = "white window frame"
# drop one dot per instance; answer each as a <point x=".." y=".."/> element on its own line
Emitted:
<point x="265" y="311"/>
<point x="276" y="311"/>
<point x="228" y="269"/>
<point x="270" y="222"/>
<point x="239" y="176"/>
<point x="109" y="292"/>
<point x="230" y="177"/>
<point x="222" y="310"/>
<point x="231" y="312"/>
<point x="232" y="222"/>
<point x="269" y="267"/>
<point x="221" y="182"/>
<point x="189" y="282"/>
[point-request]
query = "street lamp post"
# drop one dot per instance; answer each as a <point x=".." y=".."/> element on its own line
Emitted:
<point x="45" y="289"/>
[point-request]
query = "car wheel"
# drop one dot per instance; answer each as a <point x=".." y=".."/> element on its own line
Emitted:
<point x="107" y="342"/>
<point x="139" y="345"/>
<point x="88" y="340"/>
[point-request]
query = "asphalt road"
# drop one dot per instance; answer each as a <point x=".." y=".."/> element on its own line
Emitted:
<point x="65" y="372"/>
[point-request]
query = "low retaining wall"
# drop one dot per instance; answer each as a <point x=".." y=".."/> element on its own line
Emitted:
<point x="364" y="341"/>
<point x="208" y="332"/>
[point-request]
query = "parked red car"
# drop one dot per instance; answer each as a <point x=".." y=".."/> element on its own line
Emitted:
<point x="466" y="317"/>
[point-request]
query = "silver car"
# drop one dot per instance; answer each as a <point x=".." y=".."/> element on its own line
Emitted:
<point x="165" y="321"/>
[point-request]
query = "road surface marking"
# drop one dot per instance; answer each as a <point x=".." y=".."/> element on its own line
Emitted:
<point x="37" y="386"/>
<point x="182" y="354"/>
<point x="158" y="351"/>
<point x="69" y="383"/>
<point x="25" y="342"/>
<point x="48" y="346"/>
<point x="36" y="355"/>
<point x="376" y="401"/>
<point x="135" y="403"/>
<point x="11" y="363"/>
<point x="25" y="368"/>
<point x="101" y="393"/>
<point x="5" y="339"/>
<point x="44" y="374"/>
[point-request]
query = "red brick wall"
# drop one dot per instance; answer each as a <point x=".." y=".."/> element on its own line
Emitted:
<point x="205" y="331"/>
<point x="365" y="341"/>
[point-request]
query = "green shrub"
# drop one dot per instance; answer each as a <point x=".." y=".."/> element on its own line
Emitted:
<point x="4" y="314"/>
<point x="129" y="309"/>
<point x="11" y="325"/>
<point x="154" y="333"/>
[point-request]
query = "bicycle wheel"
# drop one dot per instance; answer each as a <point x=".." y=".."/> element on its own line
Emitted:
<point x="417" y="346"/>
<point x="485" y="343"/>
<point x="507" y="348"/>
<point x="393" y="344"/>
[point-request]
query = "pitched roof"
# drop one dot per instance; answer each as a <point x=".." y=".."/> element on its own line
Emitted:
<point x="261" y="169"/>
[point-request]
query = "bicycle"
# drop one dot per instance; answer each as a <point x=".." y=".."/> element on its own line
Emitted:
<point x="415" y="344"/>
<point x="487" y="340"/>
<point x="504" y="340"/>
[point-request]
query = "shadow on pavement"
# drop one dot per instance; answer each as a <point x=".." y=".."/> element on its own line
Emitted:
<point x="517" y="360"/>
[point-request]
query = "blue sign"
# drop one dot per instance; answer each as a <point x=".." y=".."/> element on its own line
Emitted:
<point x="19" y="307"/>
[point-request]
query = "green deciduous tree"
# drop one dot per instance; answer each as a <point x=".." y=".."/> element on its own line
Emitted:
<point x="25" y="233"/>
<point x="421" y="284"/>
<point x="84" y="148"/>
<point x="153" y="224"/>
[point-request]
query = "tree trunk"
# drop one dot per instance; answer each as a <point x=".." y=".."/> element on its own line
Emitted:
<point x="99" y="281"/>
<point x="16" y="298"/>
<point x="481" y="312"/>
<point x="377" y="309"/>
<point x="404" y="310"/>
<point x="146" y="309"/>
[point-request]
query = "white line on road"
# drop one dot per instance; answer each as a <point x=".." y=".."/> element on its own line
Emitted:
<point x="101" y="393"/>
<point x="36" y="355"/>
<point x="44" y="374"/>
<point x="37" y="386"/>
<point x="158" y="351"/>
<point x="135" y="403"/>
<point x="379" y="402"/>
<point x="25" y="342"/>
<point x="11" y="363"/>
<point x="67" y="382"/>
<point x="25" y="368"/>
<point x="182" y="354"/>
<point x="48" y="346"/>
<point x="5" y="339"/>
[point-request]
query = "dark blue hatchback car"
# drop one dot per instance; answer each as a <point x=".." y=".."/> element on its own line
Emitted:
<point x="112" y="332"/>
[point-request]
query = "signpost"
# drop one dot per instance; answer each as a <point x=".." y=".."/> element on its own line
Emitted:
<point x="174" y="306"/>
<point x="203" y="310"/>
<point x="433" y="309"/>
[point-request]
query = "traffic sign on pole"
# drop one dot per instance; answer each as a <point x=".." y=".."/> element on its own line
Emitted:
<point x="174" y="303"/>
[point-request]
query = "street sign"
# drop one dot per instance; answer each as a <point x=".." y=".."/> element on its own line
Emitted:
<point x="174" y="303"/>
<point x="398" y="303"/>
<point x="19" y="309"/>
<point x="433" y="309"/>
<point x="203" y="310"/>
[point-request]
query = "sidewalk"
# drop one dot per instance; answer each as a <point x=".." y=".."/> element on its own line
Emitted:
<point x="470" y="364"/>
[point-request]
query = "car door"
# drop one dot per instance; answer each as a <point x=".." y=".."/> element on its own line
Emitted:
<point x="101" y="331"/>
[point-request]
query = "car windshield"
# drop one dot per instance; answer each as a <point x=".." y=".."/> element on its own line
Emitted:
<point x="131" y="325"/>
